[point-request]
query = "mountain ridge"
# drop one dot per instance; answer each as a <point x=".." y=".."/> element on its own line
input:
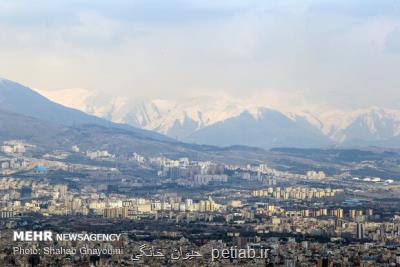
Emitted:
<point x="22" y="100"/>
<point x="190" y="120"/>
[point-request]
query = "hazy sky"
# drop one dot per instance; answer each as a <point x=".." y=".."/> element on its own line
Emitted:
<point x="341" y="53"/>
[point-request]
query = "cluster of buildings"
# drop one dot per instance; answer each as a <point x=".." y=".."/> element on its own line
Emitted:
<point x="132" y="207"/>
<point x="99" y="154"/>
<point x="12" y="163"/>
<point x="14" y="147"/>
<point x="302" y="219"/>
<point x="24" y="196"/>
<point x="296" y="192"/>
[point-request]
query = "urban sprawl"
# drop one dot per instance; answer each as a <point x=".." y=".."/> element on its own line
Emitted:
<point x="169" y="204"/>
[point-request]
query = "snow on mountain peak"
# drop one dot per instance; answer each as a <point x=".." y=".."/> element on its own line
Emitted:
<point x="202" y="111"/>
<point x="182" y="118"/>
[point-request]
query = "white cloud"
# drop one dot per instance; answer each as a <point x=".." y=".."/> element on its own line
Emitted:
<point x="331" y="53"/>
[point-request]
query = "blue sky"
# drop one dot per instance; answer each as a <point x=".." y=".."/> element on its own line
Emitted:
<point x="337" y="53"/>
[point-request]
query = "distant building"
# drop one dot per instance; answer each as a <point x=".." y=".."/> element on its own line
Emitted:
<point x="121" y="212"/>
<point x="41" y="168"/>
<point x="75" y="149"/>
<point x="360" y="231"/>
<point x="7" y="214"/>
<point x="204" y="179"/>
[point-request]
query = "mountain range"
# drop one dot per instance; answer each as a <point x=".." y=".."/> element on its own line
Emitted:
<point x="26" y="115"/>
<point x="19" y="99"/>
<point x="218" y="121"/>
<point x="224" y="122"/>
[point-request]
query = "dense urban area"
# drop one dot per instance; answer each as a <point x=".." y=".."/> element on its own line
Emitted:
<point x="163" y="205"/>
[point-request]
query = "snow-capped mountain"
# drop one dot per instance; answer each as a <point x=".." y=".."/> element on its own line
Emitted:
<point x="175" y="119"/>
<point x="374" y="126"/>
<point x="261" y="127"/>
<point x="368" y="126"/>
<point x="226" y="121"/>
